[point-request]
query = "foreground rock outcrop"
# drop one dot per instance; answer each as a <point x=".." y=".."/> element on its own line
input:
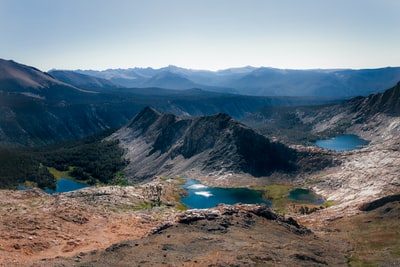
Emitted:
<point x="240" y="235"/>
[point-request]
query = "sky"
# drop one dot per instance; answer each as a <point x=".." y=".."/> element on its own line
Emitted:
<point x="200" y="34"/>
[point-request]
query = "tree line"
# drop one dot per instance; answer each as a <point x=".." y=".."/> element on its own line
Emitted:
<point x="92" y="159"/>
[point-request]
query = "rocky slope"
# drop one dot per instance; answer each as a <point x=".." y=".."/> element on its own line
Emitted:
<point x="35" y="225"/>
<point x="166" y="145"/>
<point x="371" y="237"/>
<point x="375" y="118"/>
<point x="223" y="236"/>
<point x="363" y="176"/>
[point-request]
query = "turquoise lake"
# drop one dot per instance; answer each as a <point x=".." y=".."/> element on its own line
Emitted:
<point x="66" y="185"/>
<point x="202" y="197"/>
<point x="342" y="143"/>
<point x="62" y="185"/>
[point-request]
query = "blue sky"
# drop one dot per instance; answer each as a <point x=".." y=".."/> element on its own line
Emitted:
<point x="200" y="34"/>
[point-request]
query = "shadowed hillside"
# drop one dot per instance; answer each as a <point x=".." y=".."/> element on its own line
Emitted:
<point x="18" y="77"/>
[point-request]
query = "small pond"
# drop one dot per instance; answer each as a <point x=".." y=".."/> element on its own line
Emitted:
<point x="202" y="197"/>
<point x="305" y="196"/>
<point x="62" y="185"/>
<point x="342" y="143"/>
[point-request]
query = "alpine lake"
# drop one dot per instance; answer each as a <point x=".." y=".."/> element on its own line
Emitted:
<point x="342" y="143"/>
<point x="200" y="196"/>
<point x="62" y="185"/>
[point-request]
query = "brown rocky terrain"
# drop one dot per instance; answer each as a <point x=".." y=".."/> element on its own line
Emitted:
<point x="36" y="225"/>
<point x="240" y="235"/>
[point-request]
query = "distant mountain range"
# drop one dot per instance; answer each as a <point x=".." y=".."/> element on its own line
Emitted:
<point x="257" y="81"/>
<point x="41" y="108"/>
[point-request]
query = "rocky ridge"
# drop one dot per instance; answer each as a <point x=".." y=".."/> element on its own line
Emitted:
<point x="375" y="118"/>
<point x="166" y="145"/>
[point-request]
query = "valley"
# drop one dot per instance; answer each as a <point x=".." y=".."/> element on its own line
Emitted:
<point x="136" y="146"/>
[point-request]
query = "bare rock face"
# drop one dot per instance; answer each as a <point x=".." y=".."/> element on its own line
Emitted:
<point x="159" y="144"/>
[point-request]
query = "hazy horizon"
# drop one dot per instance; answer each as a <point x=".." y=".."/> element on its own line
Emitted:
<point x="201" y="35"/>
<point x="217" y="70"/>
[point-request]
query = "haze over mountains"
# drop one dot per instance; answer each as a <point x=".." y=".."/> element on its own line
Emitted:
<point x="258" y="81"/>
<point x="83" y="80"/>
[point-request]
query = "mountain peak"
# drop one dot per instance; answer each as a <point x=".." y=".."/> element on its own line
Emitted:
<point x="163" y="144"/>
<point x="171" y="80"/>
<point x="149" y="111"/>
<point x="145" y="118"/>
